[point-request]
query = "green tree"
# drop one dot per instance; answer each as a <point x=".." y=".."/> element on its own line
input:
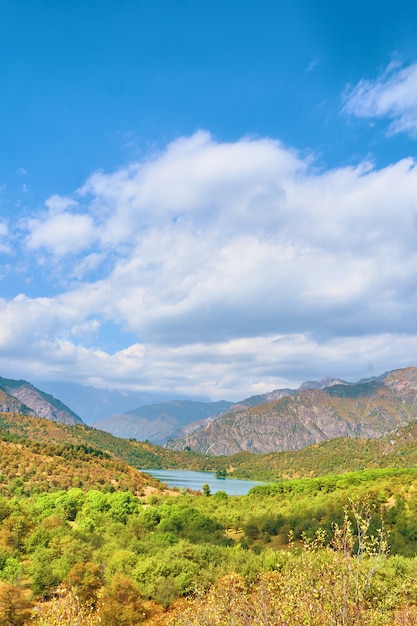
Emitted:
<point x="221" y="473"/>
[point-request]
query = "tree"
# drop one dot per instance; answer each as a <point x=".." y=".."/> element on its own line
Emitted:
<point x="13" y="605"/>
<point x="206" y="490"/>
<point x="122" y="604"/>
<point x="86" y="580"/>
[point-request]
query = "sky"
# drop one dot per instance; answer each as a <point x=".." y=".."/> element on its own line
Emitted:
<point x="214" y="198"/>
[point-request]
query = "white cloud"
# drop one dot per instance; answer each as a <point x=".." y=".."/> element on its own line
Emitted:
<point x="236" y="266"/>
<point x="58" y="204"/>
<point x="232" y="369"/>
<point x="87" y="265"/>
<point x="58" y="231"/>
<point x="392" y="95"/>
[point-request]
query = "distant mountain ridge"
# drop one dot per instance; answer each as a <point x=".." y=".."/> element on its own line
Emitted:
<point x="314" y="413"/>
<point x="19" y="396"/>
<point x="398" y="448"/>
<point x="159" y="422"/>
<point x="93" y="404"/>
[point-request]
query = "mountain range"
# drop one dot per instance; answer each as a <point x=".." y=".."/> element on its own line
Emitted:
<point x="313" y="413"/>
<point x="176" y="419"/>
<point x="284" y="419"/>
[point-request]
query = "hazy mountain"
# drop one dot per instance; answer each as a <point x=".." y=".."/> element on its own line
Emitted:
<point x="92" y="403"/>
<point x="368" y="408"/>
<point x="112" y="409"/>
<point x="159" y="422"/>
<point x="32" y="401"/>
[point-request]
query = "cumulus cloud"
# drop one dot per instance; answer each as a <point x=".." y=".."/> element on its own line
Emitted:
<point x="240" y="239"/>
<point x="58" y="230"/>
<point x="232" y="369"/>
<point x="235" y="265"/>
<point x="393" y="95"/>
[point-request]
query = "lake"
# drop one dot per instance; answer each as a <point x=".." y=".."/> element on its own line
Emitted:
<point x="195" y="480"/>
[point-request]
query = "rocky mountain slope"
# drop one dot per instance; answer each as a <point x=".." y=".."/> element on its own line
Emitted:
<point x="368" y="408"/>
<point x="10" y="404"/>
<point x="22" y="397"/>
<point x="159" y="422"/>
<point x="398" y="448"/>
<point x="252" y="401"/>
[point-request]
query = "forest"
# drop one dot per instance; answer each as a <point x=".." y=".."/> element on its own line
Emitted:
<point x="85" y="536"/>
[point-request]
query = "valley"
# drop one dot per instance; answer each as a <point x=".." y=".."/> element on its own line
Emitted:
<point x="333" y="525"/>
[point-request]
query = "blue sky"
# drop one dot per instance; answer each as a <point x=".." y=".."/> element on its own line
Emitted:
<point x="213" y="198"/>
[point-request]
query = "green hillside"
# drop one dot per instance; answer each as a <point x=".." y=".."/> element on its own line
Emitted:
<point x="396" y="449"/>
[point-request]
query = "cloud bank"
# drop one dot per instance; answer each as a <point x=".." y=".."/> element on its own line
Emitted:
<point x="236" y="268"/>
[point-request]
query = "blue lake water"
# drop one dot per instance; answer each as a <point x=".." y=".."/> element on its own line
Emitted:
<point x="195" y="480"/>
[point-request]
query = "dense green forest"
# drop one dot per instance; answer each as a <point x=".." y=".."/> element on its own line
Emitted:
<point x="86" y="538"/>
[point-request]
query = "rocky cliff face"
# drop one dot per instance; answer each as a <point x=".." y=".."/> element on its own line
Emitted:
<point x="22" y="397"/>
<point x="369" y="408"/>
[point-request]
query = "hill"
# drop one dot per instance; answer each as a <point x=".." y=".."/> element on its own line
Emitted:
<point x="365" y="409"/>
<point x="33" y="401"/>
<point x="137" y="454"/>
<point x="32" y="467"/>
<point x="396" y="449"/>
